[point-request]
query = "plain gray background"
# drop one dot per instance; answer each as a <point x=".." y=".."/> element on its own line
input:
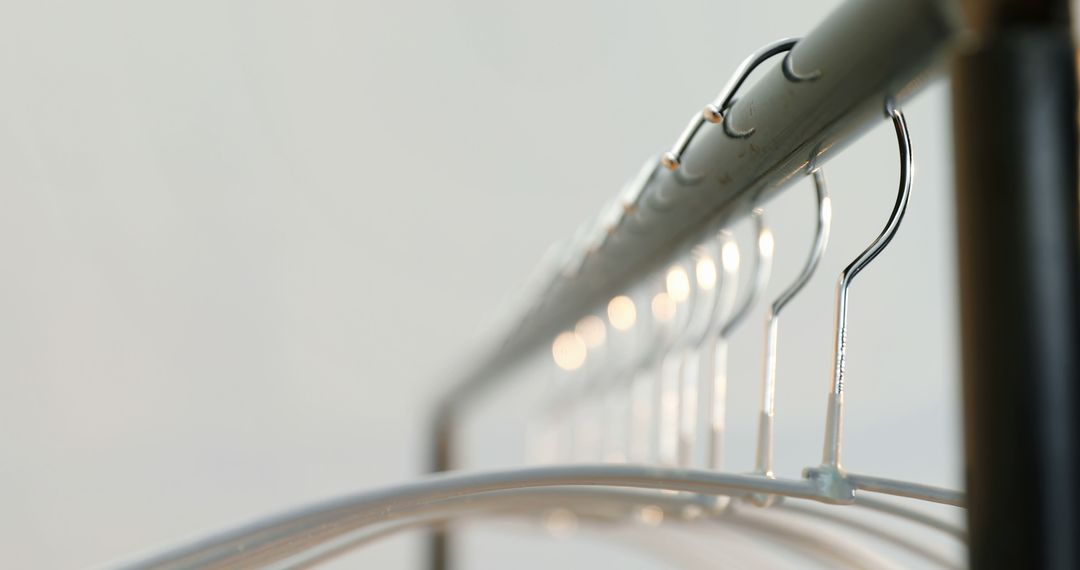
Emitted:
<point x="246" y="243"/>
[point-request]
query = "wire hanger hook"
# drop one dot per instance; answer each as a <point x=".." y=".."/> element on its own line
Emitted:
<point x="711" y="280"/>
<point x="764" y="460"/>
<point x="714" y="112"/>
<point x="682" y="296"/>
<point x="835" y="416"/>
<point x="713" y="373"/>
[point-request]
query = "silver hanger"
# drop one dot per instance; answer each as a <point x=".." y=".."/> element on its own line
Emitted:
<point x="764" y="460"/>
<point x="715" y="111"/>
<point x="713" y="369"/>
<point x="712" y="282"/>
<point x="446" y="496"/>
<point x="835" y="414"/>
<point x="681" y="296"/>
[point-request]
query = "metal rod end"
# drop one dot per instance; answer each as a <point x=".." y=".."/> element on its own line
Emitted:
<point x="670" y="161"/>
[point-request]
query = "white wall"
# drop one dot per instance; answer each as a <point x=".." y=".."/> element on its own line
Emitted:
<point x="243" y="242"/>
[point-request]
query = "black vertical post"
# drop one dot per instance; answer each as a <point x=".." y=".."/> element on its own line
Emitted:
<point x="1015" y="109"/>
<point x="440" y="459"/>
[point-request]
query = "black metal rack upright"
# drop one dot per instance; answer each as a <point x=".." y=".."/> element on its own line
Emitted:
<point x="1015" y="109"/>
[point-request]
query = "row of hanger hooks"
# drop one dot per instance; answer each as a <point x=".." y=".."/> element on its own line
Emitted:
<point x="641" y="395"/>
<point x="717" y="111"/>
<point x="664" y="398"/>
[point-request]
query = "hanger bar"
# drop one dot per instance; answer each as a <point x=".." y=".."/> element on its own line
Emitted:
<point x="532" y="503"/>
<point x="912" y="546"/>
<point x="913" y="515"/>
<point x="288" y="534"/>
<point x="612" y="513"/>
<point x="907" y="489"/>
<point x="861" y="55"/>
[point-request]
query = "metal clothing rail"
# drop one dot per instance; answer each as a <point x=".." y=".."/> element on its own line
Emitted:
<point x="830" y="87"/>
<point x="826" y="92"/>
<point x="1020" y="328"/>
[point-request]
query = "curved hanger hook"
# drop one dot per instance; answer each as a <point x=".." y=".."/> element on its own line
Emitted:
<point x="725" y="123"/>
<point x="707" y="265"/>
<point x="764" y="464"/>
<point x="762" y="267"/>
<point x="834" y="418"/>
<point x="789" y="72"/>
<point x="681" y="289"/>
<point x="710" y="280"/>
<point x="713" y="377"/>
<point x="714" y="112"/>
<point x="684" y="294"/>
